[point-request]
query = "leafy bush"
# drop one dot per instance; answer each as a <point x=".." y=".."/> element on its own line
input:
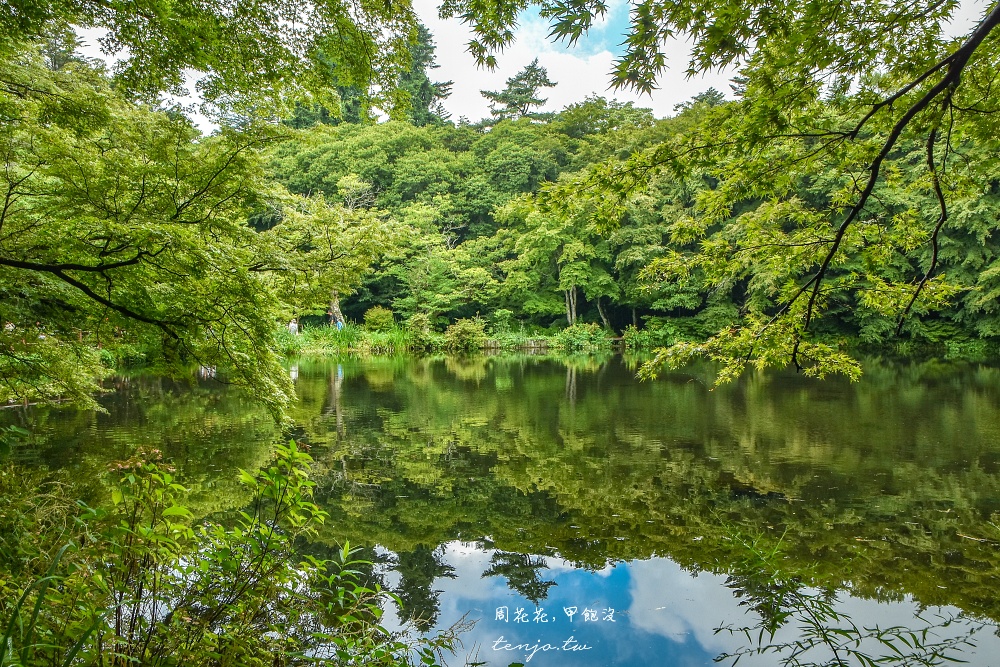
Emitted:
<point x="146" y="586"/>
<point x="466" y="335"/>
<point x="423" y="337"/>
<point x="658" y="332"/>
<point x="393" y="340"/>
<point x="323" y="340"/>
<point x="582" y="337"/>
<point x="379" y="319"/>
<point x="636" y="339"/>
<point x="501" y="321"/>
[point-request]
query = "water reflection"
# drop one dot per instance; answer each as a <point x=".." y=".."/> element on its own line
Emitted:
<point x="663" y="614"/>
<point x="515" y="482"/>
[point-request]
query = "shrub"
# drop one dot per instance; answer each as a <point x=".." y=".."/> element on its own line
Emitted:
<point x="501" y="321"/>
<point x="635" y="339"/>
<point x="658" y="332"/>
<point x="466" y="335"/>
<point x="325" y="340"/>
<point x="148" y="585"/>
<point x="393" y="340"/>
<point x="379" y="319"/>
<point x="422" y="335"/>
<point x="582" y="337"/>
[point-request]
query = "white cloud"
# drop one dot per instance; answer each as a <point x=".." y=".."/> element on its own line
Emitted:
<point x="579" y="72"/>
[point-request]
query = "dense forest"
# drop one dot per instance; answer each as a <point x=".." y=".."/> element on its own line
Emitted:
<point x="479" y="232"/>
<point x="733" y="230"/>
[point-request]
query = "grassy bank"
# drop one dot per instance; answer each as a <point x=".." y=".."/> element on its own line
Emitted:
<point x="469" y="335"/>
<point x="475" y="335"/>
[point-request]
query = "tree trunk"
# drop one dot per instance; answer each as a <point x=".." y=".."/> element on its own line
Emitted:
<point x="336" y="317"/>
<point x="635" y="319"/>
<point x="604" y="318"/>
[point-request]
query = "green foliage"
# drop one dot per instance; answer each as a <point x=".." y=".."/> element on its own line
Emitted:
<point x="425" y="95"/>
<point x="535" y="219"/>
<point x="171" y="274"/>
<point x="780" y="598"/>
<point x="395" y="340"/>
<point x="129" y="236"/>
<point x="287" y="343"/>
<point x="466" y="335"/>
<point x="423" y="337"/>
<point x="255" y="61"/>
<point x="582" y="337"/>
<point x="825" y="198"/>
<point x="521" y="94"/>
<point x="318" y="250"/>
<point x="324" y="340"/>
<point x="598" y="115"/>
<point x="501" y="321"/>
<point x="145" y="585"/>
<point x="379" y="319"/>
<point x="644" y="339"/>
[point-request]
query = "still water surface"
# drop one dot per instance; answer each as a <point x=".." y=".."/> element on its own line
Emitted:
<point x="585" y="519"/>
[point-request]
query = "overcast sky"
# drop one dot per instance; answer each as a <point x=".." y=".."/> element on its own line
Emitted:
<point x="579" y="71"/>
<point x="582" y="70"/>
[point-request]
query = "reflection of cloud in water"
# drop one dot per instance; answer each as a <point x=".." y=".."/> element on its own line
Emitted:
<point x="470" y="563"/>
<point x="611" y="643"/>
<point x="673" y="603"/>
<point x="666" y="615"/>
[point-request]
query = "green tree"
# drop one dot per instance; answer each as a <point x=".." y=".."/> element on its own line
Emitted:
<point x="520" y="96"/>
<point x="323" y="250"/>
<point x="425" y="95"/>
<point x="556" y="260"/>
<point x="121" y="227"/>
<point x="598" y="115"/>
<point x="253" y="59"/>
<point x="844" y="95"/>
<point x="125" y="233"/>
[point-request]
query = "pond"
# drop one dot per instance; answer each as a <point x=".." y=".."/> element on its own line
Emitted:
<point x="581" y="517"/>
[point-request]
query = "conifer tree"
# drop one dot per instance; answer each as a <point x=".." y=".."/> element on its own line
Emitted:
<point x="521" y="94"/>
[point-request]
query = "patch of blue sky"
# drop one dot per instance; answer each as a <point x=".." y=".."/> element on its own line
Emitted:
<point x="606" y="34"/>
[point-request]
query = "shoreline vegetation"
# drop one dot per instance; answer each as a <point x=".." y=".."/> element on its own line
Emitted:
<point x="382" y="335"/>
<point x="119" y="571"/>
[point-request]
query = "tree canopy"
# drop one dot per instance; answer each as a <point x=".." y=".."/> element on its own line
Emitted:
<point x="877" y="96"/>
<point x="123" y="231"/>
<point x="520" y="95"/>
<point x="251" y="57"/>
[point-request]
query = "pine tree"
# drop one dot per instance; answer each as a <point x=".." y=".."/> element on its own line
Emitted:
<point x="521" y="94"/>
<point x="425" y="95"/>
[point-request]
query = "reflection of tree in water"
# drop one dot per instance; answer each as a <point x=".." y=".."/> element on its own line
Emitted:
<point x="819" y="634"/>
<point x="418" y="600"/>
<point x="522" y="572"/>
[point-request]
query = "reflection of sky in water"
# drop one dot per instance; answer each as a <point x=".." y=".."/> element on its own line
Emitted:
<point x="664" y="615"/>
